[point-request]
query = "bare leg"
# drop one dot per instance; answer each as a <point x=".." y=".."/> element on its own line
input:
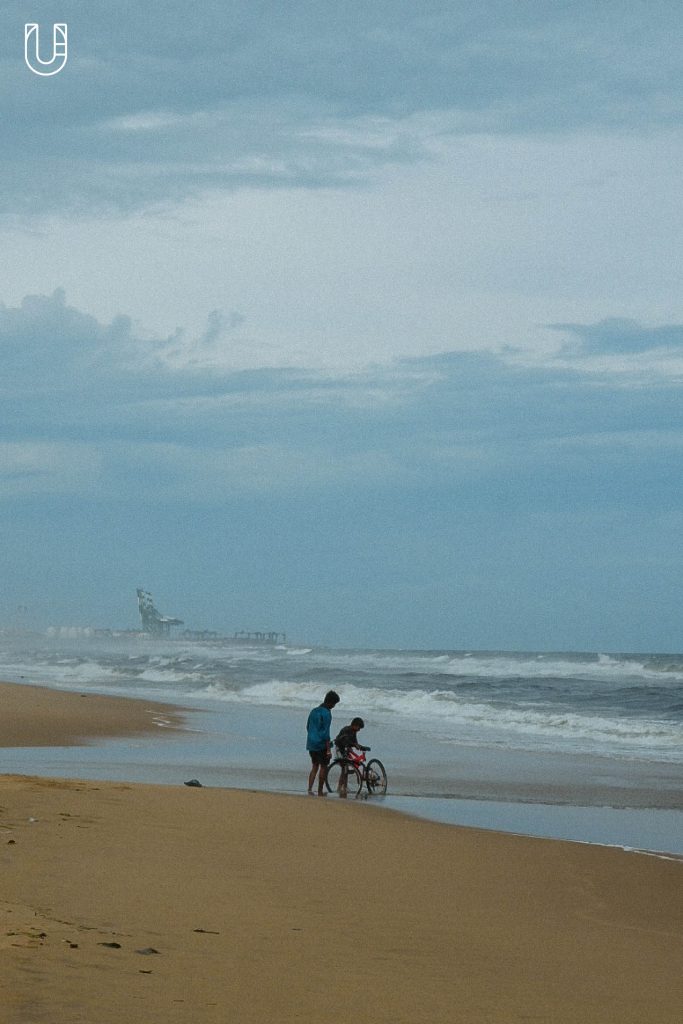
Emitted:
<point x="311" y="777"/>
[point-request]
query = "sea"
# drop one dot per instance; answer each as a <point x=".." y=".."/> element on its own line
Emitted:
<point x="579" y="746"/>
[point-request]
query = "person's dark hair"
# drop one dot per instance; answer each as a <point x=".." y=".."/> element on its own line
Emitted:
<point x="358" y="723"/>
<point x="331" y="698"/>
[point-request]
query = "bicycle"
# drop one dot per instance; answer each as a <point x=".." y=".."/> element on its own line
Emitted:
<point x="347" y="775"/>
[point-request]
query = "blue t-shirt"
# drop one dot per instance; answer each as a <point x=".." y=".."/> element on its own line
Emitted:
<point x="318" y="728"/>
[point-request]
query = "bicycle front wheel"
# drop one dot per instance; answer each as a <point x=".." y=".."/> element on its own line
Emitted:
<point x="376" y="777"/>
<point x="343" y="779"/>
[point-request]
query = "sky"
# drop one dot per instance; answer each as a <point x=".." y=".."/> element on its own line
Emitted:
<point x="360" y="321"/>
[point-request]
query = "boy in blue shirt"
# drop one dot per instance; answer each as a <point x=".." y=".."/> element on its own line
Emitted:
<point x="318" y="740"/>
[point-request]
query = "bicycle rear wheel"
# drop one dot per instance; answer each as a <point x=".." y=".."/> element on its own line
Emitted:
<point x="343" y="779"/>
<point x="376" y="777"/>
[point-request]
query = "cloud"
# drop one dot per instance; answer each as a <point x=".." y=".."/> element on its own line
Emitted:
<point x="54" y="468"/>
<point x="93" y="409"/>
<point x="157" y="103"/>
<point x="49" y="347"/>
<point x="619" y="336"/>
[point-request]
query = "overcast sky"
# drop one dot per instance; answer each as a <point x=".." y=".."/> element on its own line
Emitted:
<point x="357" y="320"/>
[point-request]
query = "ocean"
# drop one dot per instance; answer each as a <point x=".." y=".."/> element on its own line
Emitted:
<point x="584" y="746"/>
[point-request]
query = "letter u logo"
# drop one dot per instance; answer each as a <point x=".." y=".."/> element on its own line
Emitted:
<point x="32" y="50"/>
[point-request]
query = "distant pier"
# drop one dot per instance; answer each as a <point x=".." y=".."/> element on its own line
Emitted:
<point x="261" y="638"/>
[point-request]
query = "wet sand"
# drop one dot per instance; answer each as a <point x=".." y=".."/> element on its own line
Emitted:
<point x="173" y="904"/>
<point x="35" y="716"/>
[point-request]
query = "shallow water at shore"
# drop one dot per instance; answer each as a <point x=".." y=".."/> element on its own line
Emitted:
<point x="599" y="800"/>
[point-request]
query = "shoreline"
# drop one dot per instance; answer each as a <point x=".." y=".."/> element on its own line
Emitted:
<point x="237" y="747"/>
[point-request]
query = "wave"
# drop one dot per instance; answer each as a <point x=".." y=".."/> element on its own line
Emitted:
<point x="503" y="665"/>
<point x="445" y="717"/>
<point x="590" y="702"/>
<point x="207" y="655"/>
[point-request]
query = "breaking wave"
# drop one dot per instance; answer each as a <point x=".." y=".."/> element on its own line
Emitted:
<point x="617" y="705"/>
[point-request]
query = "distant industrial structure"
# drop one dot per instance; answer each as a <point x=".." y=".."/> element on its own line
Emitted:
<point x="261" y="638"/>
<point x="154" y="624"/>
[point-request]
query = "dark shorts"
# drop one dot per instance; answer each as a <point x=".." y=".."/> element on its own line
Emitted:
<point x="319" y="756"/>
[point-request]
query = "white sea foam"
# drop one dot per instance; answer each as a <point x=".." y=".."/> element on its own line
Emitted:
<point x="69" y="672"/>
<point x="500" y="666"/>
<point x="621" y="705"/>
<point x="447" y="717"/>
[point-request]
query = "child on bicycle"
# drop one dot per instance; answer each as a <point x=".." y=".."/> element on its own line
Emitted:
<point x="346" y="739"/>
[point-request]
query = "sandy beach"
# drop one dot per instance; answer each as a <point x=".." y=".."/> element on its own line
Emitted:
<point x="175" y="904"/>
<point x="35" y="716"/>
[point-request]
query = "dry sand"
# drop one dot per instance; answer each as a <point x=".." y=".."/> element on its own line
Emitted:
<point x="267" y="908"/>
